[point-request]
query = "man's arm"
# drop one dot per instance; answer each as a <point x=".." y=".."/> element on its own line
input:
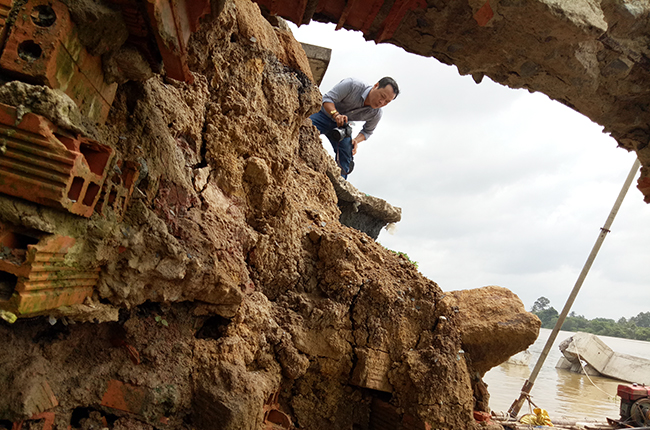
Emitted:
<point x="337" y="117"/>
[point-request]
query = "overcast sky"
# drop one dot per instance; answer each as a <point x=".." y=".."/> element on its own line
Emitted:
<point x="497" y="186"/>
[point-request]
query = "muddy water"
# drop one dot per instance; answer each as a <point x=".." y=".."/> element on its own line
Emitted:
<point x="562" y="393"/>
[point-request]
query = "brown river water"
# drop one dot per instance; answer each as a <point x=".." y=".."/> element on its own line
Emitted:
<point x="564" y="394"/>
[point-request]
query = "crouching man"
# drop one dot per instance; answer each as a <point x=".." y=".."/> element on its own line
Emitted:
<point x="352" y="100"/>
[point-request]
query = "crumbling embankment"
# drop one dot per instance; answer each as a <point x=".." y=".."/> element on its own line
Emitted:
<point x="229" y="295"/>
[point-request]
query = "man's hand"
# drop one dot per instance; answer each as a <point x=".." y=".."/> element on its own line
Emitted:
<point x="341" y="120"/>
<point x="360" y="138"/>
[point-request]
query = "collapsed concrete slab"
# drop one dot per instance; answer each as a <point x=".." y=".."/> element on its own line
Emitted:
<point x="359" y="210"/>
<point x="603" y="360"/>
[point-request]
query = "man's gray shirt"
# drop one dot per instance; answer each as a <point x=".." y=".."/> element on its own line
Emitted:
<point x="348" y="96"/>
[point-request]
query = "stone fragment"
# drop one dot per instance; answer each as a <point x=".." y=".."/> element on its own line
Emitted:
<point x="257" y="171"/>
<point x="126" y="64"/>
<point x="101" y="29"/>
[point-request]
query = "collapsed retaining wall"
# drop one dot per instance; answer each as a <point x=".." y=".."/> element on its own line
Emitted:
<point x="229" y="294"/>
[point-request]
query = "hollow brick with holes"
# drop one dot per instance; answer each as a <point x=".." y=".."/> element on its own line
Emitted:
<point x="46" y="166"/>
<point x="42" y="47"/>
<point x="34" y="274"/>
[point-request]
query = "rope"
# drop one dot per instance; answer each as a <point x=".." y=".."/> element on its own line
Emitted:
<point x="575" y="345"/>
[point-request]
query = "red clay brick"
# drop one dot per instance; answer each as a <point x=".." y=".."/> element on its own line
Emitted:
<point x="118" y="189"/>
<point x="42" y="279"/>
<point x="360" y="14"/>
<point x="5" y="8"/>
<point x="47" y="417"/>
<point x="125" y="397"/>
<point x="43" y="48"/>
<point x="274" y="418"/>
<point x="484" y="15"/>
<point x="48" y="167"/>
<point x="174" y="22"/>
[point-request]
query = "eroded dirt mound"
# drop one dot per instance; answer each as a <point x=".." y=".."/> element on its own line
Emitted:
<point x="230" y="296"/>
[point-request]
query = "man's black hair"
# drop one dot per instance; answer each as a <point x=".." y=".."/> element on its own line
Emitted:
<point x="389" y="81"/>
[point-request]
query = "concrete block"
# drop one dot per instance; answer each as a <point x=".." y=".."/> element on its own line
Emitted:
<point x="42" y="47"/>
<point x="372" y="369"/>
<point x="319" y="60"/>
<point x="46" y="166"/>
<point x="563" y="363"/>
<point x="39" y="399"/>
<point x="601" y="359"/>
<point x="35" y="276"/>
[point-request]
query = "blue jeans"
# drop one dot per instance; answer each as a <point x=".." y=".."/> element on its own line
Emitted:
<point x="343" y="149"/>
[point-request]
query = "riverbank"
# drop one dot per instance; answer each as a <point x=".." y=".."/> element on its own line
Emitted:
<point x="565" y="395"/>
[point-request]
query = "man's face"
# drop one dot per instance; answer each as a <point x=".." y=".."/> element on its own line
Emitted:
<point x="380" y="97"/>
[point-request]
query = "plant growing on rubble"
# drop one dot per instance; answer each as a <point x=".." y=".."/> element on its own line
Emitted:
<point x="161" y="320"/>
<point x="405" y="255"/>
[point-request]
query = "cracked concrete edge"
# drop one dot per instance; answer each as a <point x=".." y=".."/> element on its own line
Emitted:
<point x="371" y="205"/>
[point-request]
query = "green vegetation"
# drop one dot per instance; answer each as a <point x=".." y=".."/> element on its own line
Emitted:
<point x="403" y="254"/>
<point x="161" y="320"/>
<point x="637" y="327"/>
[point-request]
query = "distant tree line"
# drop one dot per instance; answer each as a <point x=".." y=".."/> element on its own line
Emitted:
<point x="637" y="327"/>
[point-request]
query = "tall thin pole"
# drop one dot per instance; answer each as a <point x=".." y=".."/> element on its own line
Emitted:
<point x="528" y="385"/>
